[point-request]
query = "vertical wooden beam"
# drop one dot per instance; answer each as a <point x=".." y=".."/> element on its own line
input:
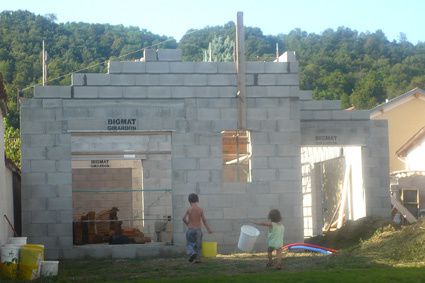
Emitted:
<point x="240" y="69"/>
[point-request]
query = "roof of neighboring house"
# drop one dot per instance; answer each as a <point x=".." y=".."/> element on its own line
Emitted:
<point x="414" y="93"/>
<point x="415" y="140"/>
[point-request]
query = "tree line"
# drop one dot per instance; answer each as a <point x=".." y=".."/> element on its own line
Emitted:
<point x="360" y="69"/>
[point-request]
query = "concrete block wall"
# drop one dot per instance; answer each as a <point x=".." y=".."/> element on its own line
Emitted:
<point x="193" y="103"/>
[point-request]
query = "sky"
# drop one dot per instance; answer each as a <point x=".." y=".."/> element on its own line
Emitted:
<point x="175" y="17"/>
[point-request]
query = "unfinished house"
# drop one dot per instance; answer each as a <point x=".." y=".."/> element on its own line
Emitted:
<point x="108" y="162"/>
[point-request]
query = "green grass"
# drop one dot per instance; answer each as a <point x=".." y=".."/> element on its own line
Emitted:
<point x="389" y="255"/>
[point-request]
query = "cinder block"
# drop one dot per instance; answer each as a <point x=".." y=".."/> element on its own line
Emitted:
<point x="222" y="80"/>
<point x="306" y="95"/>
<point x="134" y="67"/>
<point x="52" y="92"/>
<point x="185" y="163"/>
<point x="42" y="166"/>
<point x="43" y="217"/>
<point x="276" y="67"/>
<point x="157" y="67"/>
<point x="110" y="92"/>
<point x="254" y="67"/>
<point x="182" y="67"/>
<point x="206" y="67"/>
<point x="33" y="178"/>
<point x="59" y="229"/>
<point x="195" y="80"/>
<point x="174" y="79"/>
<point x="52" y="103"/>
<point x="159" y="92"/>
<point x="264" y="175"/>
<point x="360" y="115"/>
<point x="35" y="230"/>
<point x="118" y="80"/>
<point x="59" y="178"/>
<point x="226" y="67"/>
<point x="169" y="54"/>
<point x="114" y="67"/>
<point x="86" y="92"/>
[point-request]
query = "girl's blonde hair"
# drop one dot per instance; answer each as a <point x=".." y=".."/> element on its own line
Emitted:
<point x="274" y="215"/>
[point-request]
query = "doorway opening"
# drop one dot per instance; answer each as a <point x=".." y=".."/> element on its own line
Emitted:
<point x="332" y="182"/>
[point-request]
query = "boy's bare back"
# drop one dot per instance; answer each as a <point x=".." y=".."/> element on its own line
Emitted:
<point x="194" y="216"/>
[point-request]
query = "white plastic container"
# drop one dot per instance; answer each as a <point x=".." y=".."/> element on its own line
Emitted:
<point x="20" y="241"/>
<point x="247" y="238"/>
<point x="49" y="268"/>
<point x="10" y="253"/>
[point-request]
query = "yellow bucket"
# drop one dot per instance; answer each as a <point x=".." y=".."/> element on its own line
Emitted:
<point x="209" y="249"/>
<point x="30" y="257"/>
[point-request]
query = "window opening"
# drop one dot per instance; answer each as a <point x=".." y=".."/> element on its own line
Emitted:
<point x="236" y="156"/>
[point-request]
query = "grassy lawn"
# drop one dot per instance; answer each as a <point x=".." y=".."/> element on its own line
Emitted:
<point x="389" y="255"/>
<point x="298" y="267"/>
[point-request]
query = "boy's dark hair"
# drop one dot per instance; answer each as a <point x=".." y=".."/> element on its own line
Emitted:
<point x="193" y="198"/>
<point x="274" y="215"/>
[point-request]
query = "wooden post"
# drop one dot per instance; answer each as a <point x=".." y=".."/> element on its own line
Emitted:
<point x="240" y="69"/>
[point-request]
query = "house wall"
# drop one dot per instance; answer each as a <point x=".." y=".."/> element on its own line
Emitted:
<point x="194" y="102"/>
<point x="6" y="192"/>
<point x="404" y="121"/>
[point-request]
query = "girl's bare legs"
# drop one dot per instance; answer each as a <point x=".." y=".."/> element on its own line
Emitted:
<point x="279" y="258"/>
<point x="269" y="257"/>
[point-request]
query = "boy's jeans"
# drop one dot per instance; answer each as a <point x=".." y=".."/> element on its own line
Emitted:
<point x="193" y="241"/>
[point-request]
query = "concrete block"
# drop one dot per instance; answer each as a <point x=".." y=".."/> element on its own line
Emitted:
<point x="222" y="80"/>
<point x="182" y="67"/>
<point x="37" y="140"/>
<point x="42" y="166"/>
<point x="63" y="166"/>
<point x="226" y="68"/>
<point x="206" y="67"/>
<point x="52" y="92"/>
<point x="208" y="114"/>
<point x="157" y="67"/>
<point x="41" y="114"/>
<point x="341" y="115"/>
<point x="59" y="229"/>
<point x="114" y="67"/>
<point x="360" y="115"/>
<point x="254" y="67"/>
<point x="194" y="176"/>
<point x="86" y="92"/>
<point x="73" y="253"/>
<point x="264" y="175"/>
<point x="59" y="203"/>
<point x="294" y="67"/>
<point x="159" y="92"/>
<point x="110" y="92"/>
<point x="185" y="163"/>
<point x="64" y="242"/>
<point x="172" y="79"/>
<point x="52" y="103"/>
<point x="34" y="178"/>
<point x="322" y="115"/>
<point x="34" y="204"/>
<point x="195" y="80"/>
<point x="149" y="55"/>
<point x="59" y="152"/>
<point x="135" y="92"/>
<point x="211" y="163"/>
<point x="276" y="67"/>
<point x="43" y="217"/>
<point x="35" y="230"/>
<point x="134" y="67"/>
<point x="169" y="54"/>
<point x="77" y="79"/>
<point x="119" y="80"/>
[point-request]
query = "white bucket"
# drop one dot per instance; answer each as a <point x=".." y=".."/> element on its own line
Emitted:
<point x="247" y="238"/>
<point x="20" y="241"/>
<point x="49" y="268"/>
<point x="10" y="254"/>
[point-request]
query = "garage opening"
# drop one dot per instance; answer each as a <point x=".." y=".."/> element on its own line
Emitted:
<point x="332" y="187"/>
<point x="121" y="188"/>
